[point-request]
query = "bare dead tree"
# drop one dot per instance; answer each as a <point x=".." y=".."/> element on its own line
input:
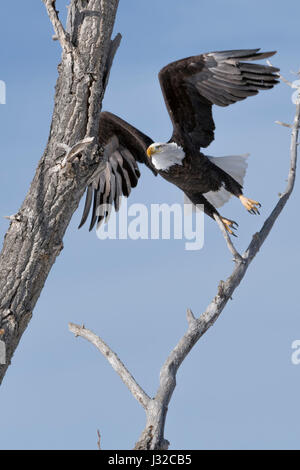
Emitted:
<point x="156" y="407"/>
<point x="35" y="235"/>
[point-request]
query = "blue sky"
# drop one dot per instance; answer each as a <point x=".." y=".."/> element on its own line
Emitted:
<point x="238" y="389"/>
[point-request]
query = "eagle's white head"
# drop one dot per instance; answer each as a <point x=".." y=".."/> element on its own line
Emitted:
<point x="165" y="155"/>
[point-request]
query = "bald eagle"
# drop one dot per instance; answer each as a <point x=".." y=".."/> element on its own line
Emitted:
<point x="190" y="87"/>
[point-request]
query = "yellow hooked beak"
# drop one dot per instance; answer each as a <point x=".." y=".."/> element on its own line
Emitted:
<point x="150" y="151"/>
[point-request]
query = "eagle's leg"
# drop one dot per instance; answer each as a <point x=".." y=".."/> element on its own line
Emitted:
<point x="209" y="209"/>
<point x="251" y="205"/>
<point x="229" y="225"/>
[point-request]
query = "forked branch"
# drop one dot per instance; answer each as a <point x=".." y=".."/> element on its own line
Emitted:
<point x="59" y="30"/>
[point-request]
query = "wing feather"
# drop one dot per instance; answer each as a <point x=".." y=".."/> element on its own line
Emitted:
<point x="191" y="86"/>
<point x="96" y="204"/>
<point x="87" y="205"/>
<point x="123" y="146"/>
<point x="132" y="170"/>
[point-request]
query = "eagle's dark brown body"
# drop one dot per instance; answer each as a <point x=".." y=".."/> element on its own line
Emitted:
<point x="197" y="176"/>
<point x="190" y="87"/>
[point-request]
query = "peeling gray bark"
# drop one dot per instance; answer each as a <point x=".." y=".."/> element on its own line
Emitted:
<point x="35" y="235"/>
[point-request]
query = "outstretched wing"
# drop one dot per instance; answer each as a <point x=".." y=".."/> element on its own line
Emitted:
<point x="123" y="145"/>
<point x="191" y="86"/>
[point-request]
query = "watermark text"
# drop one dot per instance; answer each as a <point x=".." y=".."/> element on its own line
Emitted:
<point x="2" y="92"/>
<point x="160" y="221"/>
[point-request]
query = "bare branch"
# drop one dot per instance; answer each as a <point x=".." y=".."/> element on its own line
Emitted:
<point x="190" y="317"/>
<point x="283" y="79"/>
<point x="71" y="152"/>
<point x="114" y="361"/>
<point x="236" y="256"/>
<point x="284" y="124"/>
<point x="110" y="57"/>
<point x="99" y="440"/>
<point x="13" y="217"/>
<point x="60" y="33"/>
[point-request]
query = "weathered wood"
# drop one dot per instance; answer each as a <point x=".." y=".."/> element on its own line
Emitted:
<point x="114" y="361"/>
<point x="35" y="235"/>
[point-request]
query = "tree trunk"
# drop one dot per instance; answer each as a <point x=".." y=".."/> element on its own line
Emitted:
<point x="35" y="235"/>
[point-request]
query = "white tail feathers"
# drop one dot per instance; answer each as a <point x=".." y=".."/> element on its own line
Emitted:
<point x="235" y="166"/>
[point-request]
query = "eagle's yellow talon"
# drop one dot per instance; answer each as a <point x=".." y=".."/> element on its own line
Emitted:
<point x="251" y="205"/>
<point x="229" y="225"/>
